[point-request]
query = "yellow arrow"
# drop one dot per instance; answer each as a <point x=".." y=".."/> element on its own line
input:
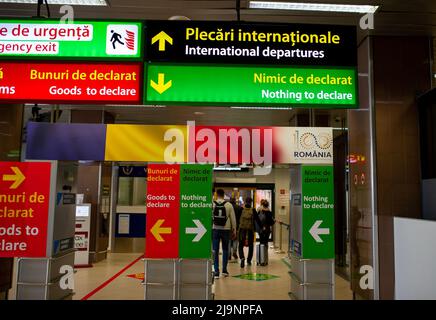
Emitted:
<point x="18" y="178"/>
<point x="161" y="86"/>
<point x="156" y="230"/>
<point x="162" y="37"/>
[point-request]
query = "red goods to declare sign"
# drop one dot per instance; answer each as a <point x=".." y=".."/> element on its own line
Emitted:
<point x="163" y="206"/>
<point x="70" y="82"/>
<point x="24" y="205"/>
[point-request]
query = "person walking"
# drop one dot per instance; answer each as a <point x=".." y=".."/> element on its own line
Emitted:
<point x="224" y="227"/>
<point x="246" y="231"/>
<point x="234" y="241"/>
<point x="265" y="222"/>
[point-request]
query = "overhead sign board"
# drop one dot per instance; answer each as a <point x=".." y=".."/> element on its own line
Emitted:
<point x="250" y="43"/>
<point x="79" y="39"/>
<point x="70" y="82"/>
<point x="249" y="85"/>
<point x="179" y="211"/>
<point x="195" y="144"/>
<point x="24" y="205"/>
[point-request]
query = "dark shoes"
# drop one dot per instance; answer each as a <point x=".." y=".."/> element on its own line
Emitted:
<point x="243" y="263"/>
<point x="235" y="256"/>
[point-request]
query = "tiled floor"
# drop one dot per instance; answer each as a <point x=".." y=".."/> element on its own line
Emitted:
<point x="229" y="288"/>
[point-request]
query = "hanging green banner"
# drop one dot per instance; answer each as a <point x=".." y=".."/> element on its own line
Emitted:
<point x="251" y="85"/>
<point x="318" y="212"/>
<point x="75" y="40"/>
<point x="195" y="211"/>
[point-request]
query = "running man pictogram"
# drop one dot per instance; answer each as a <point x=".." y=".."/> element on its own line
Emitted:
<point x="116" y="38"/>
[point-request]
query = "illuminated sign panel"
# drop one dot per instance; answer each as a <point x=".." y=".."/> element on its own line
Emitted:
<point x="216" y="63"/>
<point x="80" y="39"/>
<point x="72" y="82"/>
<point x="24" y="206"/>
<point x="251" y="43"/>
<point x="228" y="85"/>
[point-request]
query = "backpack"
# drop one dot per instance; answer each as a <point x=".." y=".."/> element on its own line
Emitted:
<point x="219" y="214"/>
<point x="246" y="221"/>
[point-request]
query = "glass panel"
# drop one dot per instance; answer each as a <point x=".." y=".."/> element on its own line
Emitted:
<point x="361" y="194"/>
<point x="132" y="191"/>
<point x="125" y="186"/>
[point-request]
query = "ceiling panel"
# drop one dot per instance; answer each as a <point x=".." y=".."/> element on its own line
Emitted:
<point x="223" y="116"/>
<point x="393" y="17"/>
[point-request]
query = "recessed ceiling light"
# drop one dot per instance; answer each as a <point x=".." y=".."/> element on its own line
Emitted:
<point x="178" y="18"/>
<point x="301" y="6"/>
<point x="135" y="105"/>
<point x="62" y="2"/>
<point x="261" y="108"/>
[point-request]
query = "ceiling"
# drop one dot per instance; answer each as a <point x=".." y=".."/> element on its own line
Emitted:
<point x="212" y="116"/>
<point x="395" y="17"/>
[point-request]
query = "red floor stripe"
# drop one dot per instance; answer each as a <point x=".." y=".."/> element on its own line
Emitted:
<point x="104" y="284"/>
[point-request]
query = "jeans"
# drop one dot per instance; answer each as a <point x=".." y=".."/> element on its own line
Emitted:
<point x="224" y="236"/>
<point x="233" y="248"/>
<point x="243" y="234"/>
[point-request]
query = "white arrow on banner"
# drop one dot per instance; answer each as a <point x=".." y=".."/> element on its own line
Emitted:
<point x="200" y="230"/>
<point x="315" y="231"/>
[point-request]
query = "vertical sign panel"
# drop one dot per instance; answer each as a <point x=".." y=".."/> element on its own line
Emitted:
<point x="24" y="202"/>
<point x="318" y="212"/>
<point x="195" y="211"/>
<point x="163" y="202"/>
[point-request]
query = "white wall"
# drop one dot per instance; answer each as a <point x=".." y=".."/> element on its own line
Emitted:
<point x="415" y="259"/>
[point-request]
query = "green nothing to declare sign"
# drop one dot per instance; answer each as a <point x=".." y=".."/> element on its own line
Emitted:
<point x="195" y="211"/>
<point x="242" y="85"/>
<point x="318" y="212"/>
<point x="78" y="39"/>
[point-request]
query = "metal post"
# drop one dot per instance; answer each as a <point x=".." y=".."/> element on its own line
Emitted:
<point x="275" y="246"/>
<point x="280" y="239"/>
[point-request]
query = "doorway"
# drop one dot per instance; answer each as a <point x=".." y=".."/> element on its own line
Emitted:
<point x="256" y="191"/>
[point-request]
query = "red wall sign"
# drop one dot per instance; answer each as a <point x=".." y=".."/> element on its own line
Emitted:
<point x="70" y="82"/>
<point x="163" y="206"/>
<point x="24" y="203"/>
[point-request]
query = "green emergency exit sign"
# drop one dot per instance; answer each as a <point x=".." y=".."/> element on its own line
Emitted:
<point x="80" y="39"/>
<point x="249" y="85"/>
